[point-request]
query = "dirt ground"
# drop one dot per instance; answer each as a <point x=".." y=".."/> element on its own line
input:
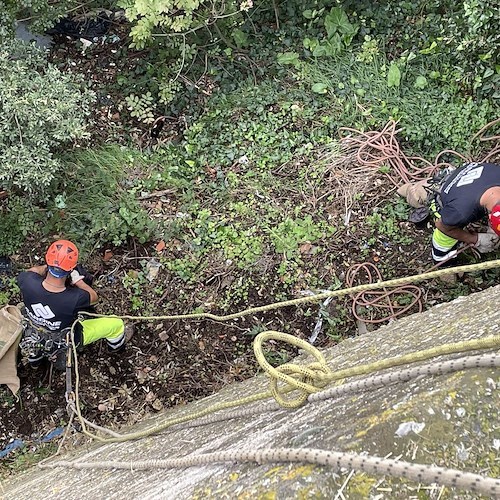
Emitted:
<point x="172" y="362"/>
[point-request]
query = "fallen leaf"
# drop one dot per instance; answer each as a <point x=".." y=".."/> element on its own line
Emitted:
<point x="305" y="248"/>
<point x="202" y="345"/>
<point x="160" y="246"/>
<point x="112" y="370"/>
<point x="163" y="336"/>
<point x="108" y="254"/>
<point x="157" y="405"/>
<point x="142" y="376"/>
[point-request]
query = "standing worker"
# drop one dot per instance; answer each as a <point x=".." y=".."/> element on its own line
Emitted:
<point x="467" y="195"/>
<point x="52" y="305"/>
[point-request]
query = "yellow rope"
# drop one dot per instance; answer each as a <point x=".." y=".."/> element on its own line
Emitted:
<point x="481" y="266"/>
<point x="301" y="378"/>
<point x="296" y="377"/>
<point x="307" y="379"/>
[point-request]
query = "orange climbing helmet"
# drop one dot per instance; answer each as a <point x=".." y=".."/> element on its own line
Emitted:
<point x="495" y="219"/>
<point x="62" y="254"/>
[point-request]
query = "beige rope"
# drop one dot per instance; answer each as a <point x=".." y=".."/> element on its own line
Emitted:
<point x="361" y="385"/>
<point x="370" y="464"/>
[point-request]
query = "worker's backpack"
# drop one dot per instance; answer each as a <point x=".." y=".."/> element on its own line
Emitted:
<point x="433" y="203"/>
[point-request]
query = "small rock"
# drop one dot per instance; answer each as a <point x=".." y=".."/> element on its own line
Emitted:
<point x="460" y="412"/>
<point x="406" y="427"/>
<point x="462" y="453"/>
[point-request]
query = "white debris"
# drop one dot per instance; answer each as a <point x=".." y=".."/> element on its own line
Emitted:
<point x="406" y="427"/>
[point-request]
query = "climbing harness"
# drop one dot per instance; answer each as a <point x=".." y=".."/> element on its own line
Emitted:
<point x="40" y="342"/>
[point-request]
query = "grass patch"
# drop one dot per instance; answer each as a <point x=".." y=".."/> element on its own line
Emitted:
<point x="21" y="459"/>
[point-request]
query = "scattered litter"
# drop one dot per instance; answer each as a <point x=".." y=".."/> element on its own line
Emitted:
<point x="86" y="44"/>
<point x="152" y="267"/>
<point x="6" y="266"/>
<point x="24" y="33"/>
<point x="496" y="444"/>
<point x="462" y="452"/>
<point x="460" y="412"/>
<point x="406" y="427"/>
<point x="160" y="246"/>
<point x="108" y="254"/>
<point x="319" y="322"/>
<point x="17" y="443"/>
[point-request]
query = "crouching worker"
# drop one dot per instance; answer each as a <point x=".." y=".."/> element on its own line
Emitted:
<point x="53" y="295"/>
<point x="470" y="193"/>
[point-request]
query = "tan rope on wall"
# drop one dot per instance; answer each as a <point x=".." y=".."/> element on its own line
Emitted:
<point x="370" y="464"/>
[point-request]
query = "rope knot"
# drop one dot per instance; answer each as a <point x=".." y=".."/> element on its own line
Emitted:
<point x="305" y="379"/>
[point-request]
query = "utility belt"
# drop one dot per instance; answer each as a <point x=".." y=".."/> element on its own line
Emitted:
<point x="38" y="342"/>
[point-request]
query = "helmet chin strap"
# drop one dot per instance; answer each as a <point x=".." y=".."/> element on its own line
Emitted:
<point x="53" y="273"/>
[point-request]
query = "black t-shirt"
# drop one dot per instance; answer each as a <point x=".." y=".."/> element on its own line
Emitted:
<point x="53" y="311"/>
<point x="461" y="193"/>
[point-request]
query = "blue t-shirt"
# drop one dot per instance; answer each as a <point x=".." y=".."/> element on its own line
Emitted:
<point x="53" y="311"/>
<point x="461" y="193"/>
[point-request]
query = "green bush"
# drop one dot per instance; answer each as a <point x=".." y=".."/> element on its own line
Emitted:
<point x="17" y="221"/>
<point x="42" y="13"/>
<point x="255" y="126"/>
<point x="42" y="111"/>
<point x="464" y="35"/>
<point x="97" y="201"/>
<point x="366" y="92"/>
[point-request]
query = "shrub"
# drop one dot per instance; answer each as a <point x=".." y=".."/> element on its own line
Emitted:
<point x="43" y="14"/>
<point x="42" y="110"/>
<point x="97" y="201"/>
<point x="17" y="221"/>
